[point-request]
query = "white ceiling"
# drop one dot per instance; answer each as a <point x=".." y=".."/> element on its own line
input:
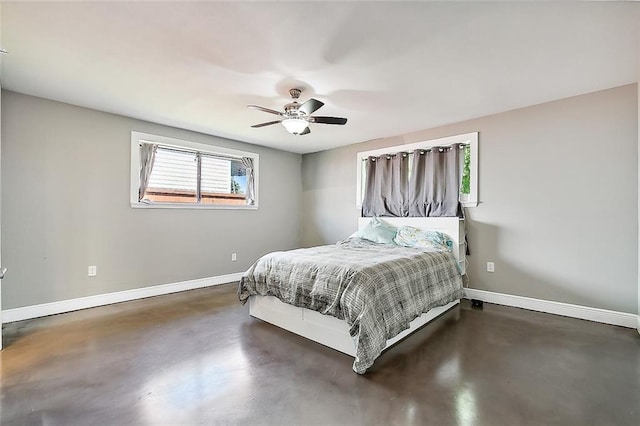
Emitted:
<point x="390" y="67"/>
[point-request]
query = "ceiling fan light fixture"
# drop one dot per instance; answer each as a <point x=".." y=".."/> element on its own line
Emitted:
<point x="295" y="126"/>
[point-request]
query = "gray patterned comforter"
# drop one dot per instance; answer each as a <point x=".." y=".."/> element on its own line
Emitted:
<point x="378" y="289"/>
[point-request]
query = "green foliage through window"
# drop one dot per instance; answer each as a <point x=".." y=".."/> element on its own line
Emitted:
<point x="235" y="186"/>
<point x="466" y="171"/>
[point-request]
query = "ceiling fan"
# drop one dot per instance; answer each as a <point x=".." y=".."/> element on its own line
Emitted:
<point x="297" y="116"/>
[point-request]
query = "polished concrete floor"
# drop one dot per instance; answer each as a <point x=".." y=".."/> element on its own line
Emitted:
<point x="198" y="358"/>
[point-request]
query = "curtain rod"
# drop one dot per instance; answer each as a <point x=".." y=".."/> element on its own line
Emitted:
<point x="422" y="150"/>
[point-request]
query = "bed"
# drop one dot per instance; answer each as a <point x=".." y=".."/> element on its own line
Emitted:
<point x="357" y="296"/>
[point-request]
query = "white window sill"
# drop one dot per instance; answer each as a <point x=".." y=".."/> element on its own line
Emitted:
<point x="190" y="206"/>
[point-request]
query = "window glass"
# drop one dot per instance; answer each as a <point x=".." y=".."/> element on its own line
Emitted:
<point x="223" y="181"/>
<point x="465" y="187"/>
<point x="174" y="177"/>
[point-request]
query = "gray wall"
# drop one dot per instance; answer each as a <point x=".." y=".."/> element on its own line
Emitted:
<point x="558" y="186"/>
<point x="0" y="178"/>
<point x="65" y="205"/>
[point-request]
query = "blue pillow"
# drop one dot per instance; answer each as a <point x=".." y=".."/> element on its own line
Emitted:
<point x="377" y="231"/>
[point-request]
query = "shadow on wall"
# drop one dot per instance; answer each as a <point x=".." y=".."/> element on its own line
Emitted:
<point x="322" y="225"/>
<point x="313" y="234"/>
<point x="519" y="274"/>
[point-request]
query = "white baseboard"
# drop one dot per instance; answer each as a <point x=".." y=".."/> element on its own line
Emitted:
<point x="35" y="311"/>
<point x="558" y="308"/>
<point x="551" y="307"/>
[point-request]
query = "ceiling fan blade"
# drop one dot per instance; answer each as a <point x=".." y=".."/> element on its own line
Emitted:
<point x="311" y="106"/>
<point x="272" y="111"/>
<point x="269" y="123"/>
<point x="306" y="131"/>
<point x="329" y="120"/>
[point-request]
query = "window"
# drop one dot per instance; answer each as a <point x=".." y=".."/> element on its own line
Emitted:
<point x="468" y="167"/>
<point x="172" y="173"/>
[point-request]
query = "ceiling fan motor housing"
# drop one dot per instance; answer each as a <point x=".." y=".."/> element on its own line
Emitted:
<point x="292" y="110"/>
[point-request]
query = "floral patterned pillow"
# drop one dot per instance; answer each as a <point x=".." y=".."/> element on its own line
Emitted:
<point x="409" y="236"/>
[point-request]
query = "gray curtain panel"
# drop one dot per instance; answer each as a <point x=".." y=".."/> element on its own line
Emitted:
<point x="385" y="191"/>
<point x="250" y="196"/>
<point x="147" y="158"/>
<point x="434" y="184"/>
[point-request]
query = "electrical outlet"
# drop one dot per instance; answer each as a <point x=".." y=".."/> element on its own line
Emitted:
<point x="491" y="267"/>
<point x="234" y="257"/>
<point x="92" y="271"/>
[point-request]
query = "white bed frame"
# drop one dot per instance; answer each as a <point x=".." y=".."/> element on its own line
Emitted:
<point x="333" y="332"/>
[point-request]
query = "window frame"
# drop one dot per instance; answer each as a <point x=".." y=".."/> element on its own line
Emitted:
<point x="470" y="200"/>
<point x="138" y="137"/>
